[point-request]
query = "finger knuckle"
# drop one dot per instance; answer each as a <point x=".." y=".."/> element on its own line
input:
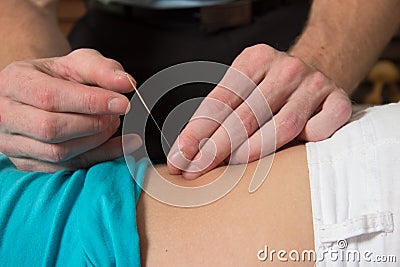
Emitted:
<point x="16" y="66"/>
<point x="293" y="67"/>
<point x="249" y="121"/>
<point x="83" y="52"/>
<point x="317" y="81"/>
<point x="341" y="109"/>
<point x="221" y="101"/>
<point x="213" y="108"/>
<point x="45" y="99"/>
<point x="91" y="103"/>
<point x="290" y="126"/>
<point x="255" y="60"/>
<point x="100" y="123"/>
<point x="10" y="68"/>
<point x="187" y="142"/>
<point x="56" y="153"/>
<point x="62" y="68"/>
<point x="260" y="50"/>
<point x="109" y="63"/>
<point x="12" y="72"/>
<point x="256" y="55"/>
<point x="48" y="129"/>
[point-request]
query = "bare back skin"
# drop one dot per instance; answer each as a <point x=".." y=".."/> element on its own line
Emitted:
<point x="231" y="231"/>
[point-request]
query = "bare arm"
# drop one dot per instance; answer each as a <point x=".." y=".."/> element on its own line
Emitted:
<point x="344" y="38"/>
<point x="31" y="29"/>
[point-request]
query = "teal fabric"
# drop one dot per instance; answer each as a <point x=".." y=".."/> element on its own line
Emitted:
<point x="81" y="218"/>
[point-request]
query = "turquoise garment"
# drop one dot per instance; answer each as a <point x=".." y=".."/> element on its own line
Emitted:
<point x="81" y="218"/>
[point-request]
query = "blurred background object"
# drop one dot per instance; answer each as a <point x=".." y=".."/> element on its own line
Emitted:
<point x="69" y="11"/>
<point x="381" y="86"/>
<point x="384" y="73"/>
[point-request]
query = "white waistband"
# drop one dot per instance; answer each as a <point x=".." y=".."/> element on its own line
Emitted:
<point x="355" y="185"/>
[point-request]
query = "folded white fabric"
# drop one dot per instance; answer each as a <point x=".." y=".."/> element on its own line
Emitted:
<point x="355" y="190"/>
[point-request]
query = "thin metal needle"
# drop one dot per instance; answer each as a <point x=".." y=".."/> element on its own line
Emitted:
<point x="131" y="81"/>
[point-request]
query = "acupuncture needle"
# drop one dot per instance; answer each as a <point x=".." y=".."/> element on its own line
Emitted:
<point x="131" y="81"/>
<point x="255" y="183"/>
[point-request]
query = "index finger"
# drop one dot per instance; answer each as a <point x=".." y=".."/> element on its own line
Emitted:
<point x="57" y="95"/>
<point x="87" y="66"/>
<point x="236" y="85"/>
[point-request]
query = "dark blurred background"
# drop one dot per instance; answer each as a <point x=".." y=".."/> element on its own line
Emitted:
<point x="382" y="85"/>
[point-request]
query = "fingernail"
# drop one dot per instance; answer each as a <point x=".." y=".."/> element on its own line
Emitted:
<point x="117" y="106"/>
<point x="179" y="160"/>
<point x="131" y="143"/>
<point x="124" y="74"/>
<point x="120" y="72"/>
<point x="128" y="108"/>
<point x="191" y="175"/>
<point x="193" y="168"/>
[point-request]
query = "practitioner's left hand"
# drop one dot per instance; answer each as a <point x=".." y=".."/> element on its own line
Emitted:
<point x="306" y="105"/>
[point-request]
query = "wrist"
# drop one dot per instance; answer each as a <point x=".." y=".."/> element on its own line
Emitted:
<point x="314" y="49"/>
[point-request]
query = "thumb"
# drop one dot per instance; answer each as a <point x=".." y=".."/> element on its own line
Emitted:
<point x="88" y="66"/>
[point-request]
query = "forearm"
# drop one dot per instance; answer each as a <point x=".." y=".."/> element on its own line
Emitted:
<point x="31" y="31"/>
<point x="344" y="38"/>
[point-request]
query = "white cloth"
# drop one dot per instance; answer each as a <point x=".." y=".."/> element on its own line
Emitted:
<point x="355" y="191"/>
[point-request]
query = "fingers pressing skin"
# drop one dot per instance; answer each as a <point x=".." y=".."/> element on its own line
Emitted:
<point x="252" y="113"/>
<point x="319" y="127"/>
<point x="294" y="92"/>
<point x="335" y="112"/>
<point x="236" y="85"/>
<point x="290" y="120"/>
<point x="110" y="150"/>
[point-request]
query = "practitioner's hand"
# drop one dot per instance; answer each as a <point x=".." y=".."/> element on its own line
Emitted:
<point x="306" y="104"/>
<point x="59" y="113"/>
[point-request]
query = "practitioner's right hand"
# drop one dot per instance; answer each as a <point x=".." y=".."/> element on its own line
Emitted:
<point x="59" y="113"/>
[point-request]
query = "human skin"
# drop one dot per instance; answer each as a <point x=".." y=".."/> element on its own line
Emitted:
<point x="338" y="46"/>
<point x="230" y="231"/>
<point x="55" y="112"/>
<point x="31" y="93"/>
